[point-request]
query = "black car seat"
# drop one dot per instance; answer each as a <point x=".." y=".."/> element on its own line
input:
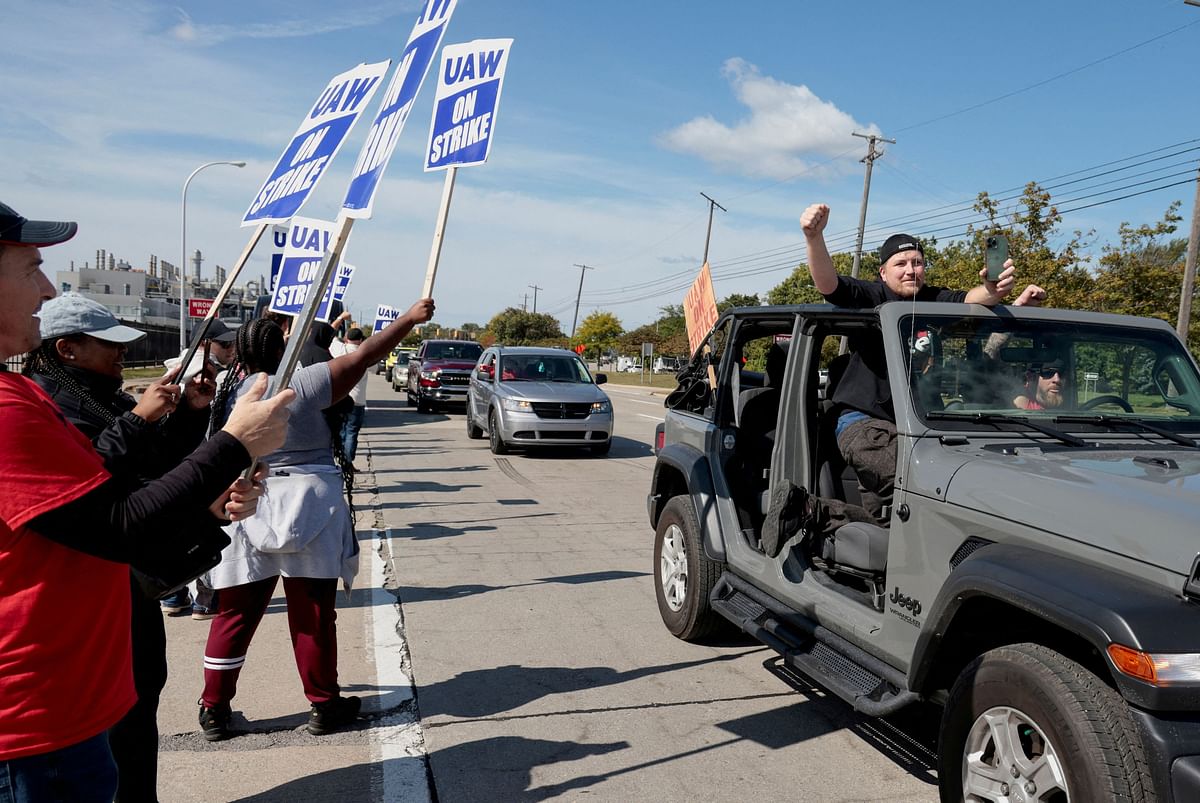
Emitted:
<point x="758" y="411"/>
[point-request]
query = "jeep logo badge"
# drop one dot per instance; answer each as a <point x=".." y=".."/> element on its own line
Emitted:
<point x="908" y="603"/>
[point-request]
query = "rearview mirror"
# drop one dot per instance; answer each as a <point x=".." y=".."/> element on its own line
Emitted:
<point x="601" y="379"/>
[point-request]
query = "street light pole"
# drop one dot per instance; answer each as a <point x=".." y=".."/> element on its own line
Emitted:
<point x="183" y="253"/>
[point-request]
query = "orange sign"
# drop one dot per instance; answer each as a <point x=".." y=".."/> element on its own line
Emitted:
<point x="700" y="308"/>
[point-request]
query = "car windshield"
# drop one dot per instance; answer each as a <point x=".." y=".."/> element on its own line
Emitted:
<point x="543" y="368"/>
<point x="403" y="357"/>
<point x="978" y="370"/>
<point x="454" y="351"/>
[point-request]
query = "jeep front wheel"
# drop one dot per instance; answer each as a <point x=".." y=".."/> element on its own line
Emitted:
<point x="1024" y="722"/>
<point x="685" y="574"/>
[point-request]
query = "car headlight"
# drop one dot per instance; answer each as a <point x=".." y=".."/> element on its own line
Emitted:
<point x="518" y="405"/>
<point x="429" y="374"/>
<point x="1158" y="669"/>
<point x="601" y="407"/>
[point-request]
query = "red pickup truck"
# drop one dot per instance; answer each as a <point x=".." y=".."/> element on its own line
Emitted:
<point x="440" y="373"/>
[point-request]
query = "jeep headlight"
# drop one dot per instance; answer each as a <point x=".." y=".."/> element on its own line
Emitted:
<point x="1157" y="669"/>
<point x="518" y="405"/>
<point x="601" y="407"/>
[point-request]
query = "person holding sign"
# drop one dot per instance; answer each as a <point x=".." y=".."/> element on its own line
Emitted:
<point x="303" y="532"/>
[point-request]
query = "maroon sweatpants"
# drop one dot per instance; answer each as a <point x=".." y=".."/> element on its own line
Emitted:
<point x="311" y="619"/>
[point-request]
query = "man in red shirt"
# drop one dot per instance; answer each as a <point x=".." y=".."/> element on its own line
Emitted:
<point x="65" y="679"/>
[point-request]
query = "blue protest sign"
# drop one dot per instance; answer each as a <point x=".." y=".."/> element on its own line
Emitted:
<point x="341" y="281"/>
<point x="314" y="144"/>
<point x="397" y="102"/>
<point x="307" y="242"/>
<point x="278" y="243"/>
<point x="464" y="110"/>
<point x="383" y="316"/>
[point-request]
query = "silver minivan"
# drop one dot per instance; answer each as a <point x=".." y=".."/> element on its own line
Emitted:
<point x="529" y="396"/>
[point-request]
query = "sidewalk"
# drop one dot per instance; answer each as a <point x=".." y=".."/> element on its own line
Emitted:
<point x="273" y="758"/>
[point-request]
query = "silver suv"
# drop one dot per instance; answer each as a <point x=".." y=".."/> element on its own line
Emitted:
<point x="526" y="396"/>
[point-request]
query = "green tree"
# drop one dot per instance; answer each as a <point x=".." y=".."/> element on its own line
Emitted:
<point x="737" y="300"/>
<point x="1030" y="226"/>
<point x="1143" y="274"/>
<point x="599" y="331"/>
<point x="516" y="327"/>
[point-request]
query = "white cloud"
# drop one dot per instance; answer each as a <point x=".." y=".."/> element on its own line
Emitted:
<point x="789" y="130"/>
<point x="188" y="31"/>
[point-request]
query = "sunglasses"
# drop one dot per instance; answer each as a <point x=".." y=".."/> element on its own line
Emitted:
<point x="1046" y="373"/>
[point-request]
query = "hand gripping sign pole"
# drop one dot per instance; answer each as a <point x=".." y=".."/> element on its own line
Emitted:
<point x="302" y="164"/>
<point x="464" y="116"/>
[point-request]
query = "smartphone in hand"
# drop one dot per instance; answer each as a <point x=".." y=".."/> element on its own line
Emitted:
<point x="997" y="255"/>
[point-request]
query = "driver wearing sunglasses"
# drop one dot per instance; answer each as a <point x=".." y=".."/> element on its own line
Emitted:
<point x="1045" y="386"/>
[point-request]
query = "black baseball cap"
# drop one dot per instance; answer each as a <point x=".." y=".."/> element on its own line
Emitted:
<point x="897" y="243"/>
<point x="220" y="332"/>
<point x="19" y="230"/>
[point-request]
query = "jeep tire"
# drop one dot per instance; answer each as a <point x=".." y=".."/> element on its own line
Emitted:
<point x="1072" y="733"/>
<point x="684" y="576"/>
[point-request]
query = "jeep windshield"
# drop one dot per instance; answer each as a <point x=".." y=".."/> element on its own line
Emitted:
<point x="976" y="371"/>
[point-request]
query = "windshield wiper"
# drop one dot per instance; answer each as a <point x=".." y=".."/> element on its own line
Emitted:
<point x="1112" y="421"/>
<point x="1002" y="418"/>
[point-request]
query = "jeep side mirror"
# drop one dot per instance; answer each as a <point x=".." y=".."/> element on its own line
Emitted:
<point x="601" y="379"/>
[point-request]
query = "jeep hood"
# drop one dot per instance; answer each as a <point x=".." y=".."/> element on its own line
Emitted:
<point x="1142" y="503"/>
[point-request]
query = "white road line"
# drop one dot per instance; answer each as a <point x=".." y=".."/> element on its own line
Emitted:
<point x="651" y="417"/>
<point x="397" y="739"/>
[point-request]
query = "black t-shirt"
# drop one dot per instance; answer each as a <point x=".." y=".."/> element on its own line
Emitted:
<point x="864" y="386"/>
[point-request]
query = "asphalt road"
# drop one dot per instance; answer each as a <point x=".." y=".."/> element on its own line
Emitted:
<point x="505" y="638"/>
<point x="541" y="666"/>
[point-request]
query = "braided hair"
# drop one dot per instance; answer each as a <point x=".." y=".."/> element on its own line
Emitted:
<point x="44" y="360"/>
<point x="259" y="348"/>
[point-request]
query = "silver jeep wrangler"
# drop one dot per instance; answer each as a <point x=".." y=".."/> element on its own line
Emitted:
<point x="1037" y="573"/>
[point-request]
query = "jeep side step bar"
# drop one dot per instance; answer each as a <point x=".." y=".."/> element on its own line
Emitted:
<point x="859" y="678"/>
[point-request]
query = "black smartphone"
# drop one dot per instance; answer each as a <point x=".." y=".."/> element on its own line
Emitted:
<point x="997" y="255"/>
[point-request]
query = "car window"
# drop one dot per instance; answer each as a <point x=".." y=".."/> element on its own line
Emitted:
<point x="453" y="351"/>
<point x="543" y="368"/>
<point x="1048" y="368"/>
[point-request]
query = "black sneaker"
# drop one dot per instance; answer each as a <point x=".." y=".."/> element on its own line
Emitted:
<point x="333" y="715"/>
<point x="214" y="721"/>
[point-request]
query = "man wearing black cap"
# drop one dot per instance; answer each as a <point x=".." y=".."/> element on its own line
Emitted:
<point x="66" y="679"/>
<point x="866" y="428"/>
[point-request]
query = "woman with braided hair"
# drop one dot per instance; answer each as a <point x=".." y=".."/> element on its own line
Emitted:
<point x="302" y="531"/>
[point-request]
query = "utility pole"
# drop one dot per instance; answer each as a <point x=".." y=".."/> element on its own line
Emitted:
<point x="869" y="159"/>
<point x="582" y="269"/>
<point x="535" y="289"/>
<point x="708" y="235"/>
<point x="525" y="303"/>
<point x="1189" y="269"/>
<point x="1189" y="263"/>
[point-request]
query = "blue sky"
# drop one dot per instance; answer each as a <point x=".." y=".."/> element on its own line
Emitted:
<point x="615" y="117"/>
